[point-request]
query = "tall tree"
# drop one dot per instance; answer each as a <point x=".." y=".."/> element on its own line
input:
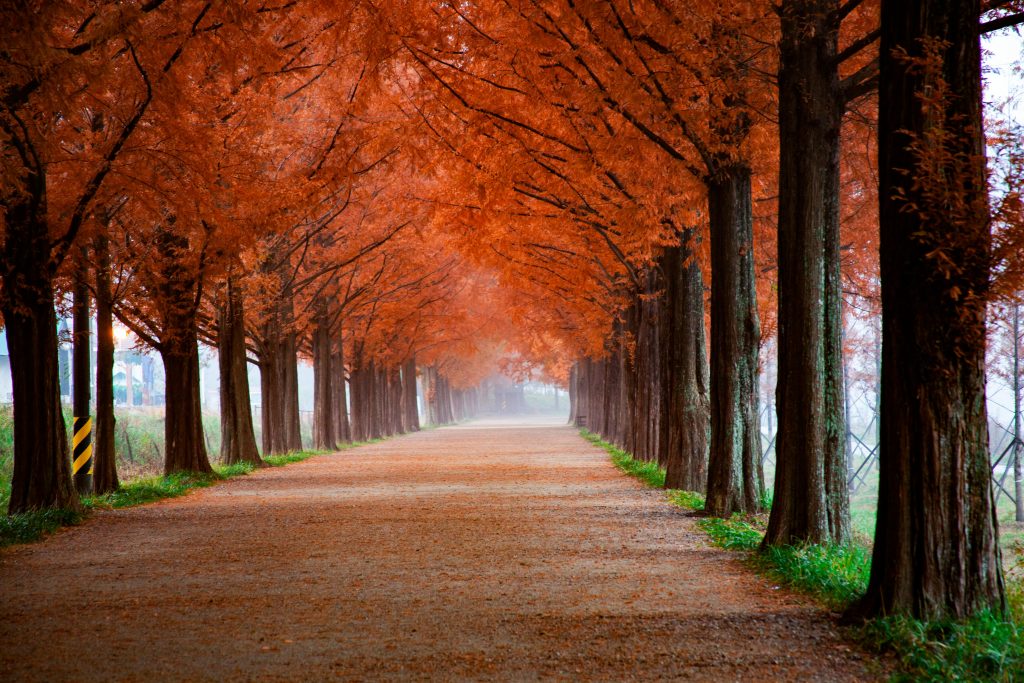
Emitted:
<point x="936" y="552"/>
<point x="811" y="502"/>
<point x="105" y="477"/>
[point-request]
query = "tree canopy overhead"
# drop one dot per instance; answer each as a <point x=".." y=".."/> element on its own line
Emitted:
<point x="631" y="200"/>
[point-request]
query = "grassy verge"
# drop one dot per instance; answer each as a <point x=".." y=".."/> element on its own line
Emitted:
<point x="31" y="526"/>
<point x="986" y="647"/>
<point x="647" y="472"/>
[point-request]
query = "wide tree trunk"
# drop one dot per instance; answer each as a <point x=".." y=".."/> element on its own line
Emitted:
<point x="936" y="551"/>
<point x="237" y="436"/>
<point x="183" y="426"/>
<point x="42" y="463"/>
<point x="687" y="413"/>
<point x="735" y="481"/>
<point x="811" y="501"/>
<point x="271" y="399"/>
<point x="363" y="398"/>
<point x="324" y="414"/>
<point x="104" y="478"/>
<point x="279" y="384"/>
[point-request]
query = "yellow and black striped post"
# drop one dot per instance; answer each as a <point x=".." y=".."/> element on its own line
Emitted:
<point x="81" y="461"/>
<point x="81" y="368"/>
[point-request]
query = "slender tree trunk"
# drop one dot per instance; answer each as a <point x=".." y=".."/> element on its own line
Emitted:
<point x="104" y="478"/>
<point x="735" y="481"/>
<point x="324" y="413"/>
<point x="936" y="551"/>
<point x="374" y="404"/>
<point x="343" y="429"/>
<point x="811" y="502"/>
<point x="573" y="371"/>
<point x="81" y="369"/>
<point x="270" y="427"/>
<point x="183" y="426"/>
<point x="290" y="383"/>
<point x="237" y="436"/>
<point x="361" y="398"/>
<point x="629" y="376"/>
<point x="592" y="409"/>
<point x="412" y="415"/>
<point x="687" y="410"/>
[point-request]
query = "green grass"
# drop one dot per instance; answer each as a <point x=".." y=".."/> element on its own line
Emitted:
<point x="732" y="534"/>
<point x="985" y="647"/>
<point x="835" y="574"/>
<point x="647" y="472"/>
<point x="686" y="499"/>
<point x="151" y="489"/>
<point x="31" y="526"/>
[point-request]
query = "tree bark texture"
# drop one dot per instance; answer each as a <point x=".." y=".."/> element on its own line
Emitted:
<point x="412" y="414"/>
<point x="735" y="480"/>
<point x="936" y="550"/>
<point x="179" y="290"/>
<point x="237" y="435"/>
<point x="811" y="501"/>
<point x="342" y="427"/>
<point x="324" y="414"/>
<point x="42" y="465"/>
<point x="104" y="478"/>
<point x="279" y="382"/>
<point x="687" y="411"/>
<point x="183" y="426"/>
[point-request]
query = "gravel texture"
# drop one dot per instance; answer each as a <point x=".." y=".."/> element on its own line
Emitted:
<point x="486" y="551"/>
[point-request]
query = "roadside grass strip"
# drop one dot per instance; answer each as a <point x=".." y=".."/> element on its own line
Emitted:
<point x="985" y="647"/>
<point x="31" y="526"/>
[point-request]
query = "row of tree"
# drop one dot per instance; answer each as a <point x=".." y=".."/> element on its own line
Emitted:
<point x="180" y="167"/>
<point x="628" y="198"/>
<point x="638" y="148"/>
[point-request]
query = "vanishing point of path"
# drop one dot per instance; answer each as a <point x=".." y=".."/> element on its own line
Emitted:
<point x="488" y="551"/>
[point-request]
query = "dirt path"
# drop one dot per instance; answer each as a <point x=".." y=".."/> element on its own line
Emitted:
<point x="485" y="551"/>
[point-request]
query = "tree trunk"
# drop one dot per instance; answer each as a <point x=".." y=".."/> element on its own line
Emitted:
<point x="811" y="501"/>
<point x="104" y="478"/>
<point x="289" y="365"/>
<point x="81" y="369"/>
<point x="271" y="413"/>
<point x="735" y="481"/>
<point x="324" y="414"/>
<point x="342" y="427"/>
<point x="936" y="550"/>
<point x="183" y="426"/>
<point x="362" y="398"/>
<point x="687" y="411"/>
<point x="42" y="463"/>
<point x="237" y="436"/>
<point x="412" y="415"/>
<point x="279" y="387"/>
